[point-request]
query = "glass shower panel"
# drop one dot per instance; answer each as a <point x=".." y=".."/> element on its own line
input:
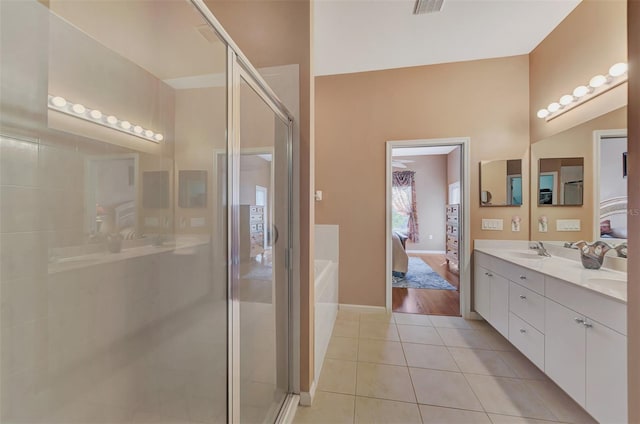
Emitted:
<point x="113" y="228"/>
<point x="263" y="282"/>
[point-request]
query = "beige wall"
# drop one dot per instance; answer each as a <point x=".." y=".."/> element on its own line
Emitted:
<point x="493" y="178"/>
<point x="272" y="33"/>
<point x="575" y="142"/>
<point x="586" y="43"/>
<point x="633" y="294"/>
<point x="453" y="167"/>
<point x="431" y="197"/>
<point x="485" y="100"/>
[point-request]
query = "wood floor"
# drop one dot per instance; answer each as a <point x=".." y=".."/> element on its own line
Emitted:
<point x="429" y="301"/>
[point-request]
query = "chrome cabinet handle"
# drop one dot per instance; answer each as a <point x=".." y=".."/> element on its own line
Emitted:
<point x="523" y="277"/>
<point x="523" y="297"/>
<point x="587" y="325"/>
<point x="579" y="320"/>
<point x="522" y="330"/>
<point x="488" y="274"/>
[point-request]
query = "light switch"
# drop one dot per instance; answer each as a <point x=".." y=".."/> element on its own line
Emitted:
<point x="492" y="224"/>
<point x="568" y="225"/>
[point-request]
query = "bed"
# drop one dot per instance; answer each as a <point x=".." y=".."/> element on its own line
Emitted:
<point x="613" y="218"/>
<point x="400" y="259"/>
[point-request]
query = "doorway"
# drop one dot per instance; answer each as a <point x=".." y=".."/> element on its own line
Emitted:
<point x="427" y="218"/>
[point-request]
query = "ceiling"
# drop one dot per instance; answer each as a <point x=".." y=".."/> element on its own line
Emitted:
<point x="365" y="35"/>
<point x="422" y="151"/>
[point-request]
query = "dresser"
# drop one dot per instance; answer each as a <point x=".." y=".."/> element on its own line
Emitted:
<point x="251" y="231"/>
<point x="452" y="253"/>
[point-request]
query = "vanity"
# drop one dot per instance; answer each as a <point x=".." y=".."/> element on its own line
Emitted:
<point x="568" y="320"/>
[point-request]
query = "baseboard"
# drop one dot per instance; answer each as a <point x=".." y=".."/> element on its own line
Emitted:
<point x="288" y="413"/>
<point x="361" y="308"/>
<point x="306" y="398"/>
<point x="440" y="252"/>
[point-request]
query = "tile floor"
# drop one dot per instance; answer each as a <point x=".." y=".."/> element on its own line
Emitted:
<point x="405" y="368"/>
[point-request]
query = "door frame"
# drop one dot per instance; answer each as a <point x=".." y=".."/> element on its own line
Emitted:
<point x="465" y="184"/>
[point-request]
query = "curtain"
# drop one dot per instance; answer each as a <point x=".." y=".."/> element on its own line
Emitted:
<point x="403" y="198"/>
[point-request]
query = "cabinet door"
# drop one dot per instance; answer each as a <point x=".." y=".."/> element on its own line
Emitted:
<point x="499" y="316"/>
<point x="564" y="353"/>
<point x="606" y="374"/>
<point x="482" y="292"/>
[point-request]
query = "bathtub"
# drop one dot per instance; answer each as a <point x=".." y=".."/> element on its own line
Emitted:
<point x="326" y="307"/>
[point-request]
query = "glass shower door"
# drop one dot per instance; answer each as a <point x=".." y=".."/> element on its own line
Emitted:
<point x="260" y="283"/>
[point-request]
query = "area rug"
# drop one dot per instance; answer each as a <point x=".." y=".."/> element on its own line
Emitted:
<point x="421" y="276"/>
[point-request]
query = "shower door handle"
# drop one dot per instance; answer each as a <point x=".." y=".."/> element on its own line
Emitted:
<point x="276" y="235"/>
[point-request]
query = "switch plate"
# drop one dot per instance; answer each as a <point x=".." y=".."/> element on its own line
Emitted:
<point x="568" y="225"/>
<point x="492" y="224"/>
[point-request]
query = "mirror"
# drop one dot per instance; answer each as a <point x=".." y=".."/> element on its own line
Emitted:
<point x="501" y="183"/>
<point x="603" y="203"/>
<point x="560" y="182"/>
<point x="192" y="189"/>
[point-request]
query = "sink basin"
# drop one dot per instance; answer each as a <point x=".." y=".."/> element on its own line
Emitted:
<point x="610" y="281"/>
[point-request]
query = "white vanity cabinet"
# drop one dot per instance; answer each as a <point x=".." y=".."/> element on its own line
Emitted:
<point x="491" y="293"/>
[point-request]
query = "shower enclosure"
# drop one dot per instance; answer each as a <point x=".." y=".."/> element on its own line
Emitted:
<point x="145" y="209"/>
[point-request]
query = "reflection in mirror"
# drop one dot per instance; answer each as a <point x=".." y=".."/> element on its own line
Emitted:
<point x="155" y="189"/>
<point x="561" y="182"/>
<point x="192" y="189"/>
<point x="611" y="211"/>
<point x="501" y="183"/>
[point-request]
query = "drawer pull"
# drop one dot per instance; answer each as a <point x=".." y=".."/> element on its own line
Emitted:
<point x="522" y="330"/>
<point x="587" y="325"/>
<point x="523" y="277"/>
<point x="488" y="274"/>
<point x="523" y="297"/>
<point x="579" y="320"/>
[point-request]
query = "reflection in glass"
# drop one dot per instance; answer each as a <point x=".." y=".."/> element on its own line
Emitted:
<point x="561" y="181"/>
<point x="192" y="189"/>
<point x="501" y="183"/>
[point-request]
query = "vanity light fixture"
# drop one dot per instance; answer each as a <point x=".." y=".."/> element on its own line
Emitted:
<point x="583" y="93"/>
<point x="60" y="104"/>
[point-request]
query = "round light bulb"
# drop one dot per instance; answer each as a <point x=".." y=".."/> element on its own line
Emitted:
<point x="125" y="124"/>
<point x="553" y="107"/>
<point x="95" y="114"/>
<point x="618" y="69"/>
<point x="78" y="108"/>
<point x="137" y="129"/>
<point x="566" y="99"/>
<point x="598" y="81"/>
<point x="158" y="137"/>
<point x="112" y="119"/>
<point x="148" y="133"/>
<point x="581" y="91"/>
<point x="543" y="113"/>
<point x="58" y="101"/>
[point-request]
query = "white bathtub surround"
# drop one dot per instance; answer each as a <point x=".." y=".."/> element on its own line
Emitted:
<point x="326" y="295"/>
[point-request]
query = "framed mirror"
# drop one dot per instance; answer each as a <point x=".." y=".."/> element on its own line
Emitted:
<point x="561" y="182"/>
<point x="192" y="189"/>
<point x="501" y="182"/>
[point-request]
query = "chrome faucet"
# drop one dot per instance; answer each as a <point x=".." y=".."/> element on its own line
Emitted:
<point x="542" y="251"/>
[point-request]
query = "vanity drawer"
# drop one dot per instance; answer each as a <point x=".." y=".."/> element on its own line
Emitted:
<point x="608" y="311"/>
<point x="525" y="277"/>
<point x="527" y="339"/>
<point x="527" y="305"/>
<point x="483" y="260"/>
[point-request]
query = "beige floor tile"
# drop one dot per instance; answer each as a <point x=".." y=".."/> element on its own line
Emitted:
<point x="479" y="361"/>
<point x="440" y="415"/>
<point x="443" y="388"/>
<point x="508" y="396"/>
<point x="338" y="376"/>
<point x="497" y="341"/>
<point x="345" y="348"/>
<point x="478" y="324"/>
<point x="523" y="367"/>
<point x="429" y="356"/>
<point x="347" y="315"/>
<point x="378" y="331"/>
<point x="419" y="334"/>
<point x="412" y="319"/>
<point x="327" y="408"/>
<point x="374" y="411"/>
<point x="346" y="328"/>
<point x="449" y="322"/>
<point x="561" y="405"/>
<point x="507" y="419"/>
<point x="457" y="337"/>
<point x="384" y="382"/>
<point x="381" y="352"/>
<point x="376" y="316"/>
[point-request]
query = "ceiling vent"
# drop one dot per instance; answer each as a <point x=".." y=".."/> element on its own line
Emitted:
<point x="427" y="6"/>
